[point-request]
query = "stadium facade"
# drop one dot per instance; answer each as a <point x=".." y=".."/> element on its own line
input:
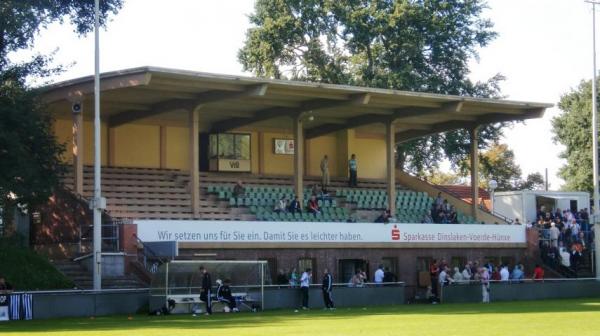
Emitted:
<point x="192" y="133"/>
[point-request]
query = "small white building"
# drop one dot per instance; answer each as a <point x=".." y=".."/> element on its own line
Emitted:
<point x="524" y="204"/>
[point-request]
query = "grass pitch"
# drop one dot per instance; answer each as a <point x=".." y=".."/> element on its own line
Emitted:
<point x="579" y="317"/>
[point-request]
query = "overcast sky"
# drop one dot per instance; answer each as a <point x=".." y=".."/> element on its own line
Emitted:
<point x="544" y="50"/>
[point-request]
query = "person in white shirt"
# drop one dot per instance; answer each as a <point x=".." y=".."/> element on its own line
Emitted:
<point x="554" y="233"/>
<point x="504" y="273"/>
<point x="565" y="257"/>
<point x="457" y="276"/>
<point x="444" y="278"/>
<point x="485" y="284"/>
<point x="466" y="273"/>
<point x="304" y="286"/>
<point x="379" y="274"/>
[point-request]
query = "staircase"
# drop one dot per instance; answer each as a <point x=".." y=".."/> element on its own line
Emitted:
<point x="83" y="279"/>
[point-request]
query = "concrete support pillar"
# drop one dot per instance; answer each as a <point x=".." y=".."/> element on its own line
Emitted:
<point x="390" y="145"/>
<point x="78" y="152"/>
<point x="298" y="131"/>
<point x="163" y="147"/>
<point x="474" y="172"/>
<point x="193" y="124"/>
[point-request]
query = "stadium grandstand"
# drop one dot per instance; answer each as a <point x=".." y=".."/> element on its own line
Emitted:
<point x="175" y="143"/>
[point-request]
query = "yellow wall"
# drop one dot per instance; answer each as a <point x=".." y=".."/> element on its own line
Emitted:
<point x="137" y="146"/>
<point x="370" y="154"/>
<point x="178" y="148"/>
<point x="254" y="152"/>
<point x="63" y="130"/>
<point x="276" y="164"/>
<point x="317" y="148"/>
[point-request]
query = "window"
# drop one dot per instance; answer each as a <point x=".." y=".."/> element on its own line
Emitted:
<point x="304" y="263"/>
<point x="510" y="261"/>
<point x="390" y="264"/>
<point x="459" y="262"/>
<point x="231" y="146"/>
<point x="423" y="264"/>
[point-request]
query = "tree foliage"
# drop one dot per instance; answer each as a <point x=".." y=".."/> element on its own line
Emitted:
<point x="30" y="162"/>
<point x="415" y="45"/>
<point x="573" y="129"/>
<point x="533" y="181"/>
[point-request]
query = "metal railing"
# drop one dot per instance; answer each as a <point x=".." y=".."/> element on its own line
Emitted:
<point x="148" y="257"/>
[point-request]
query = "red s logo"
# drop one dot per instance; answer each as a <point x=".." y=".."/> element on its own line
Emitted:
<point x="395" y="233"/>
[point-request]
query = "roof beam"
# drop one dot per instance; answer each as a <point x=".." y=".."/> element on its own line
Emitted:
<point x="371" y="118"/>
<point x="185" y="104"/>
<point x="304" y="108"/>
<point x="455" y="124"/>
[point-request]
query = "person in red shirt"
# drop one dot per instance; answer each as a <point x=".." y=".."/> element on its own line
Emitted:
<point x="496" y="274"/>
<point x="313" y="205"/>
<point x="538" y="273"/>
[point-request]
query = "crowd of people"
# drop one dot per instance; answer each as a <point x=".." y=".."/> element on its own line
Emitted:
<point x="565" y="235"/>
<point x="441" y="275"/>
<point x="441" y="212"/>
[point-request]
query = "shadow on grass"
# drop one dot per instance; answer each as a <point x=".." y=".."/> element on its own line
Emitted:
<point x="280" y="317"/>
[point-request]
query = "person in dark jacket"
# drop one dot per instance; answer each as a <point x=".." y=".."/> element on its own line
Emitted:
<point x="206" y="294"/>
<point x="327" y="288"/>
<point x="224" y="295"/>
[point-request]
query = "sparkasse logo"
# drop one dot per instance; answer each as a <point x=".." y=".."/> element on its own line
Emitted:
<point x="395" y="233"/>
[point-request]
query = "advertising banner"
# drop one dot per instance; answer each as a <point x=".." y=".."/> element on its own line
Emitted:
<point x="241" y="232"/>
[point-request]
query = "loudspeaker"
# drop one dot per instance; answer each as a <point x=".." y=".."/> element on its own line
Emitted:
<point x="76" y="107"/>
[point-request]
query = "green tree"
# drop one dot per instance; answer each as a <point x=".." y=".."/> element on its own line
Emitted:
<point x="572" y="129"/>
<point x="533" y="181"/>
<point x="415" y="45"/>
<point x="29" y="153"/>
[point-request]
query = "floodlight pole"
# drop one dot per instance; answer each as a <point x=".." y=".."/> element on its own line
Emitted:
<point x="97" y="203"/>
<point x="596" y="211"/>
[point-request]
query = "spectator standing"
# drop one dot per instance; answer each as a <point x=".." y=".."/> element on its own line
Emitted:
<point x="206" y="294"/>
<point x="554" y="233"/>
<point x="353" y="168"/>
<point x="484" y="276"/>
<point x="304" y="286"/>
<point x="444" y="278"/>
<point x="457" y="276"/>
<point x="496" y="274"/>
<point x="239" y="190"/>
<point x="294" y="278"/>
<point x="538" y="273"/>
<point x="438" y="201"/>
<point x="466" y="273"/>
<point x="388" y="276"/>
<point x="517" y="273"/>
<point x="379" y="275"/>
<point x="565" y="257"/>
<point x="327" y="287"/>
<point x="433" y="275"/>
<point x="325" y="171"/>
<point x="504" y="273"/>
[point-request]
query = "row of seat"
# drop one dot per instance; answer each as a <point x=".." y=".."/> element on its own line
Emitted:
<point x="384" y="198"/>
<point x="301" y="217"/>
<point x="247" y="202"/>
<point x="343" y="192"/>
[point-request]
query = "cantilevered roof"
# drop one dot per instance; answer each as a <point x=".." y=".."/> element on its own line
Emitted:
<point x="155" y="95"/>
